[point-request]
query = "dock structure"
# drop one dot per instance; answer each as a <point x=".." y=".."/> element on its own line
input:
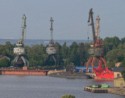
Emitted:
<point x="24" y="72"/>
<point x="93" y="76"/>
<point x="90" y="75"/>
<point x="96" y="90"/>
<point x="111" y="90"/>
<point x="117" y="91"/>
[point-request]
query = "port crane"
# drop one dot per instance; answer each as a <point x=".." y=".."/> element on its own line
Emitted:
<point x="19" y="51"/>
<point x="96" y="52"/>
<point x="51" y="47"/>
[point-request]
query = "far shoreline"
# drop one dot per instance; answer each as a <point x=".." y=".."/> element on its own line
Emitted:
<point x="69" y="75"/>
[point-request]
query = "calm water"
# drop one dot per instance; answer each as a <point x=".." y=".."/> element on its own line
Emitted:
<point x="46" y="87"/>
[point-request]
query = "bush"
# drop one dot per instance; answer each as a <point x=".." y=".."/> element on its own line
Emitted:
<point x="123" y="74"/>
<point x="70" y="68"/>
<point x="4" y="62"/>
<point x="68" y="96"/>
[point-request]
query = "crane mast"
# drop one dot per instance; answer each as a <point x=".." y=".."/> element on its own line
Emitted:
<point x="23" y="27"/>
<point x="51" y="48"/>
<point x="51" y="29"/>
<point x="19" y="49"/>
<point x="97" y="29"/>
<point x="90" y="19"/>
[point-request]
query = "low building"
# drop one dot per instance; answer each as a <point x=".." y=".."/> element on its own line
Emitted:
<point x="82" y="69"/>
<point x="118" y="79"/>
<point x="117" y="71"/>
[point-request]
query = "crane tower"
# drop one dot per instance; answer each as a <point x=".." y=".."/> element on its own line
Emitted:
<point x="51" y="48"/>
<point x="19" y="51"/>
<point x="96" y="50"/>
<point x="97" y="56"/>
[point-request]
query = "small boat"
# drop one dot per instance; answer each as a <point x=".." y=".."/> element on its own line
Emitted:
<point x="24" y="71"/>
<point x="100" y="88"/>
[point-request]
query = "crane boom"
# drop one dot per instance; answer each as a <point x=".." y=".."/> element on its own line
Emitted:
<point x="90" y="19"/>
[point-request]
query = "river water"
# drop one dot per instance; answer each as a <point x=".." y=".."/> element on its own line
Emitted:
<point x="46" y="87"/>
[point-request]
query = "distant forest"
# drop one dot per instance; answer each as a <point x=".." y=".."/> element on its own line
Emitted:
<point x="77" y="54"/>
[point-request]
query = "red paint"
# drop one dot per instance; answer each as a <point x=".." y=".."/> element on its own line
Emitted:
<point x="23" y="72"/>
<point x="103" y="73"/>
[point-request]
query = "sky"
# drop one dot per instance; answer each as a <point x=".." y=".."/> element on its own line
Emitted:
<point x="70" y="18"/>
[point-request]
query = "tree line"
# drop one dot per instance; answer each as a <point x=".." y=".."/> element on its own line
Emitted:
<point x="76" y="53"/>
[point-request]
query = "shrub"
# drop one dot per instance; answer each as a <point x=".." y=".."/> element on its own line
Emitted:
<point x="70" y="68"/>
<point x="68" y="96"/>
<point x="123" y="74"/>
<point x="4" y="62"/>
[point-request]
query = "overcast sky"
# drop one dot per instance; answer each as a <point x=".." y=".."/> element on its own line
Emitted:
<point x="70" y="18"/>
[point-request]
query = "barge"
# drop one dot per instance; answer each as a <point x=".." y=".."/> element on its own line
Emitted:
<point x="96" y="90"/>
<point x="111" y="90"/>
<point x="103" y="88"/>
<point x="23" y="71"/>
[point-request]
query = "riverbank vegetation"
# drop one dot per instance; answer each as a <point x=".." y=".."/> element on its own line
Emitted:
<point x="76" y="53"/>
<point x="68" y="96"/>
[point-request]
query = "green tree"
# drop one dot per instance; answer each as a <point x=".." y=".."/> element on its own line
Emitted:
<point x="123" y="74"/>
<point x="115" y="55"/>
<point x="111" y="42"/>
<point x="123" y="40"/>
<point x="4" y="62"/>
<point x="70" y="68"/>
<point x="82" y="53"/>
<point x="73" y="52"/>
<point x="36" y="55"/>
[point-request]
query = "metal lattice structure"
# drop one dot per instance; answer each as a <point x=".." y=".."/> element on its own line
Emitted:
<point x="51" y="47"/>
<point x="19" y="51"/>
<point x="96" y="50"/>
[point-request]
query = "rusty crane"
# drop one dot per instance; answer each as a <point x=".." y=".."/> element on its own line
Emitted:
<point x="96" y="52"/>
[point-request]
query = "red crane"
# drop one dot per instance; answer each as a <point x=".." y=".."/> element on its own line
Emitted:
<point x="96" y="51"/>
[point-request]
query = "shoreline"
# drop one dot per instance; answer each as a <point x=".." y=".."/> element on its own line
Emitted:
<point x="117" y="91"/>
<point x="69" y="75"/>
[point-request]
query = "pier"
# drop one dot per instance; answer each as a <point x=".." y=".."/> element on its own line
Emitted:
<point x="111" y="90"/>
<point x="96" y="90"/>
